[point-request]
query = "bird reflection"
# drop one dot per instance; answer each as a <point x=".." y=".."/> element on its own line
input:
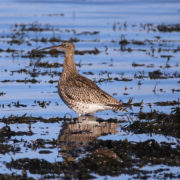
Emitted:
<point x="75" y="137"/>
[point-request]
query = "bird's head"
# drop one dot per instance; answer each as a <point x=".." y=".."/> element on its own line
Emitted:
<point x="66" y="46"/>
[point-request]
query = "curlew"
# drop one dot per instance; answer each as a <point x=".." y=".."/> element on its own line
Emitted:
<point x="78" y="92"/>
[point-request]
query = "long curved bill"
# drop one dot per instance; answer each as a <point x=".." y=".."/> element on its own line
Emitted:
<point x="50" y="47"/>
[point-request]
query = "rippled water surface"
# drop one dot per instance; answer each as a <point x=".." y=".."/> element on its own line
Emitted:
<point x="131" y="49"/>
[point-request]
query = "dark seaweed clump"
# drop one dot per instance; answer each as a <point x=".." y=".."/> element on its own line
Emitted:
<point x="156" y="75"/>
<point x="102" y="157"/>
<point x="2" y="93"/>
<point x="169" y="28"/>
<point x="158" y="123"/>
<point x="106" y="158"/>
<point x="15" y="177"/>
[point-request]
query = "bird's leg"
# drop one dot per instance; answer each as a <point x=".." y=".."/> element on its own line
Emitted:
<point x="29" y="127"/>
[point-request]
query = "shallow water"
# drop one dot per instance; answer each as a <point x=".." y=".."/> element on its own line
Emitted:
<point x="138" y="57"/>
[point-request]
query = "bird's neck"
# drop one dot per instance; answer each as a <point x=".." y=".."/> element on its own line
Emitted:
<point x="69" y="66"/>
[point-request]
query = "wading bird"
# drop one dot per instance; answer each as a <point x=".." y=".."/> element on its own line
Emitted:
<point x="78" y="92"/>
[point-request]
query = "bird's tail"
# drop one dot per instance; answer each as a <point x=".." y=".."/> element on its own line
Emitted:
<point x="117" y="107"/>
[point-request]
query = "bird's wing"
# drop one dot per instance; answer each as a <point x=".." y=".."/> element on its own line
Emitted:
<point x="85" y="95"/>
<point x="85" y="90"/>
<point x="82" y="81"/>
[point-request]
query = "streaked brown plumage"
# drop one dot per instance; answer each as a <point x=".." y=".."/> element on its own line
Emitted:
<point x="78" y="92"/>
